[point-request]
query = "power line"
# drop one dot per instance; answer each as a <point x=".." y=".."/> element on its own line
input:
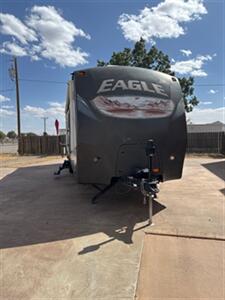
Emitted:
<point x="43" y="81"/>
<point x="64" y="82"/>
<point x="208" y="84"/>
<point x="7" y="90"/>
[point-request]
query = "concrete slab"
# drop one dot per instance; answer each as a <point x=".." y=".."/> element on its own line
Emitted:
<point x="56" y="244"/>
<point x="182" y="268"/>
<point x="195" y="205"/>
<point x="186" y="268"/>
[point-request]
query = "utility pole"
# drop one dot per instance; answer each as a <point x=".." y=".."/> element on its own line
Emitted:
<point x="44" y="118"/>
<point x="17" y="98"/>
<point x="13" y="72"/>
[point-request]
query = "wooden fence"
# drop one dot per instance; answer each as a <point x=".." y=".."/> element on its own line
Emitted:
<point x="41" y="145"/>
<point x="206" y="142"/>
<point x="210" y="142"/>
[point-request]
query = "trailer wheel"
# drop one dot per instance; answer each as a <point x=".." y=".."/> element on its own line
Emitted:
<point x="70" y="169"/>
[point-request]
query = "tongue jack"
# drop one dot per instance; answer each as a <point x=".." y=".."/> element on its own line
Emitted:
<point x="146" y="179"/>
<point x="149" y="186"/>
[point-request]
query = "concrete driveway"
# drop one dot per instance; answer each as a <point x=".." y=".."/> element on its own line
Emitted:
<point x="56" y="245"/>
<point x="195" y="204"/>
<point x="184" y="252"/>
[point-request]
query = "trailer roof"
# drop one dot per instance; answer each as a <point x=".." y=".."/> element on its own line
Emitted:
<point x="102" y="68"/>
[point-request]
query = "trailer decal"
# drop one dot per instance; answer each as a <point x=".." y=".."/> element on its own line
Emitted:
<point x="134" y="106"/>
<point x="109" y="85"/>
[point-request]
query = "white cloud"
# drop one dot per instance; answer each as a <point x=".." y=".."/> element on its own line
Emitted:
<point x="35" y="111"/>
<point x="31" y="117"/>
<point x="186" y="52"/>
<point x="55" y="109"/>
<point x="205" y="102"/>
<point x="46" y="35"/>
<point x="4" y="98"/>
<point x="12" y="48"/>
<point x="49" y="66"/>
<point x="10" y="25"/>
<point x="182" y="10"/>
<point x="192" y="66"/>
<point x="6" y="112"/>
<point x="161" y="21"/>
<point x="7" y="106"/>
<point x="207" y="115"/>
<point x="212" y="91"/>
<point x="198" y="73"/>
<point x="46" y="21"/>
<point x="56" y="104"/>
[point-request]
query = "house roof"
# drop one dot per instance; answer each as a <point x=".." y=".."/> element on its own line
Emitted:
<point x="210" y="127"/>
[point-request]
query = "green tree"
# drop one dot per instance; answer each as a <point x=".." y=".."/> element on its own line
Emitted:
<point x="11" y="134"/>
<point x="31" y="134"/>
<point x="153" y="59"/>
<point x="2" y="135"/>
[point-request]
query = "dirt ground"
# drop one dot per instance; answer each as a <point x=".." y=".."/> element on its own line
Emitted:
<point x="15" y="161"/>
<point x="11" y="162"/>
<point x="56" y="245"/>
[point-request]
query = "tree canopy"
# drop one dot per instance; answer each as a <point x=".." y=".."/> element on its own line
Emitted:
<point x="153" y="59"/>
<point x="31" y="134"/>
<point x="11" y="134"/>
<point x="2" y="135"/>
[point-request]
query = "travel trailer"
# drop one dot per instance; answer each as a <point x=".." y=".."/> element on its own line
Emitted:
<point x="125" y="123"/>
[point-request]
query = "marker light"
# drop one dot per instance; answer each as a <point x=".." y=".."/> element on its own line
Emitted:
<point x="81" y="74"/>
<point x="155" y="170"/>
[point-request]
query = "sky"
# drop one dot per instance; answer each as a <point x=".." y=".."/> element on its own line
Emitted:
<point x="51" y="39"/>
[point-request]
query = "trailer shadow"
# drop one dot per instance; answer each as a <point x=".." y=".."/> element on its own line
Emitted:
<point x="36" y="207"/>
<point x="217" y="168"/>
<point x="222" y="191"/>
